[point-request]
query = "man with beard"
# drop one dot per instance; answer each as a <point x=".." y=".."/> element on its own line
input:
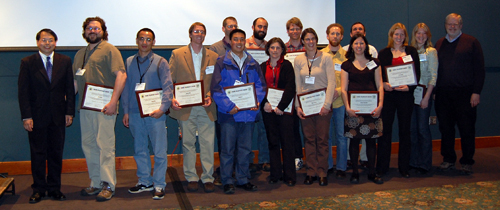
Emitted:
<point x="359" y="28"/>
<point x="334" y="34"/>
<point x="150" y="71"/>
<point x="294" y="29"/>
<point x="256" y="41"/>
<point x="220" y="47"/>
<point x="99" y="63"/>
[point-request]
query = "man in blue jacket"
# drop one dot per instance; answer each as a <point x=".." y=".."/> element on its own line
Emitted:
<point x="236" y="67"/>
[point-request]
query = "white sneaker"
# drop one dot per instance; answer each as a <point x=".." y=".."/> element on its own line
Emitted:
<point x="298" y="163"/>
<point x="159" y="193"/>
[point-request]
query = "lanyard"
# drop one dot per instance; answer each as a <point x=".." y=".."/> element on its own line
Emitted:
<point x="139" y="67"/>
<point x="240" y="68"/>
<point x="310" y="65"/>
<point x="90" y="54"/>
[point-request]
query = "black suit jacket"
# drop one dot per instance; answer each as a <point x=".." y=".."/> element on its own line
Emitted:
<point x="45" y="101"/>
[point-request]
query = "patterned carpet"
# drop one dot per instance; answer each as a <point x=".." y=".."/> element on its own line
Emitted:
<point x="478" y="195"/>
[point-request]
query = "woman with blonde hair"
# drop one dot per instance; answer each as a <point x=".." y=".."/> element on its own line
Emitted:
<point x="397" y="99"/>
<point x="421" y="139"/>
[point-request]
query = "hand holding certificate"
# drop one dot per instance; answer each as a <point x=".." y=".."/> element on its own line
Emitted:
<point x="312" y="102"/>
<point x="189" y="93"/>
<point x="149" y="101"/>
<point x="95" y="97"/>
<point x="403" y="74"/>
<point x="274" y="97"/>
<point x="243" y="96"/>
<point x="364" y="101"/>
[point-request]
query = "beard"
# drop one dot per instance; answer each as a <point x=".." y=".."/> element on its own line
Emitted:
<point x="96" y="40"/>
<point x="260" y="35"/>
<point x="334" y="43"/>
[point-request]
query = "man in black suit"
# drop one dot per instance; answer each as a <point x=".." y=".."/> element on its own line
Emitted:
<point x="47" y="101"/>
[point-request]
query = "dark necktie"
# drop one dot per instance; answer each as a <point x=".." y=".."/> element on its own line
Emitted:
<point x="49" y="69"/>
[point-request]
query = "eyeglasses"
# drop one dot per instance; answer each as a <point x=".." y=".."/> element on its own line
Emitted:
<point x="232" y="26"/>
<point x="93" y="29"/>
<point x="198" y="32"/>
<point x="142" y="39"/>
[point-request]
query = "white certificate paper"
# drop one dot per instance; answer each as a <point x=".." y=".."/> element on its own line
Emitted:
<point x="312" y="102"/>
<point x="364" y="101"/>
<point x="292" y="55"/>
<point x="149" y="100"/>
<point x="259" y="55"/>
<point x="95" y="97"/>
<point x="274" y="97"/>
<point x="189" y="93"/>
<point x="243" y="96"/>
<point x="403" y="74"/>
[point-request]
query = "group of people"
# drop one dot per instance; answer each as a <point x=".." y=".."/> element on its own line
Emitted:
<point x="452" y="75"/>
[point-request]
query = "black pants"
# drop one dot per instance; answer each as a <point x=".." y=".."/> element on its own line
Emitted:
<point x="453" y="108"/>
<point x="46" y="146"/>
<point x="371" y="150"/>
<point x="402" y="104"/>
<point x="280" y="135"/>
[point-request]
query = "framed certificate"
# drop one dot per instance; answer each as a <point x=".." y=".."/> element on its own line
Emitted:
<point x="403" y="74"/>
<point x="243" y="96"/>
<point x="274" y="97"/>
<point x="290" y="56"/>
<point x="364" y="101"/>
<point x="148" y="100"/>
<point x="419" y="93"/>
<point x="95" y="97"/>
<point x="312" y="102"/>
<point x="259" y="55"/>
<point x="189" y="93"/>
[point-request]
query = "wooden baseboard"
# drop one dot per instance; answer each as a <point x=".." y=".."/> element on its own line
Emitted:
<point x="128" y="162"/>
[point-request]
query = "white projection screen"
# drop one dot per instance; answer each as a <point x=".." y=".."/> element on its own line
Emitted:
<point x="169" y="19"/>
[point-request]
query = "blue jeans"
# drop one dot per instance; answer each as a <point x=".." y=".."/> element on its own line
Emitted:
<point x="236" y="143"/>
<point x="156" y="129"/>
<point x="421" y="139"/>
<point x="262" y="142"/>
<point x="337" y="129"/>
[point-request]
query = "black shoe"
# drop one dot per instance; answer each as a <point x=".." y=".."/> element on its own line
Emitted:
<point x="274" y="181"/>
<point x="310" y="179"/>
<point x="323" y="181"/>
<point x="36" y="197"/>
<point x="266" y="167"/>
<point x="330" y="171"/>
<point x="253" y="168"/>
<point x="375" y="179"/>
<point x="363" y="164"/>
<point x="57" y="195"/>
<point x="290" y="183"/>
<point x="404" y="174"/>
<point x="229" y="189"/>
<point x="422" y="171"/>
<point x="354" y="178"/>
<point x="349" y="164"/>
<point x="248" y="187"/>
<point x="340" y="174"/>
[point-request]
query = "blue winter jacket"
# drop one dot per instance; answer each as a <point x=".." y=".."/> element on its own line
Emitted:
<point x="226" y="72"/>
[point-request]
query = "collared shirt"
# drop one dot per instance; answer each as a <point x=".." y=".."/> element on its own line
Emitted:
<point x="338" y="58"/>
<point x="251" y="44"/>
<point x="239" y="61"/>
<point x="44" y="58"/>
<point x="448" y="37"/>
<point x="196" y="61"/>
<point x="291" y="48"/>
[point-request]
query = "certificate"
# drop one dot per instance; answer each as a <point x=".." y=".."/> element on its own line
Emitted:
<point x="292" y="55"/>
<point x="312" y="102"/>
<point x="364" y="101"/>
<point x="243" y="96"/>
<point x="274" y="97"/>
<point x="419" y="94"/>
<point x="259" y="55"/>
<point x="403" y="74"/>
<point x="95" y="97"/>
<point x="189" y="93"/>
<point x="148" y="100"/>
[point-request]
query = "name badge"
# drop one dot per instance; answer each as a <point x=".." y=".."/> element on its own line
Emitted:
<point x="338" y="67"/>
<point x="140" y="86"/>
<point x="237" y="82"/>
<point x="371" y="65"/>
<point x="80" y="72"/>
<point x="423" y="57"/>
<point x="209" y="70"/>
<point x="407" y="59"/>
<point x="310" y="80"/>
